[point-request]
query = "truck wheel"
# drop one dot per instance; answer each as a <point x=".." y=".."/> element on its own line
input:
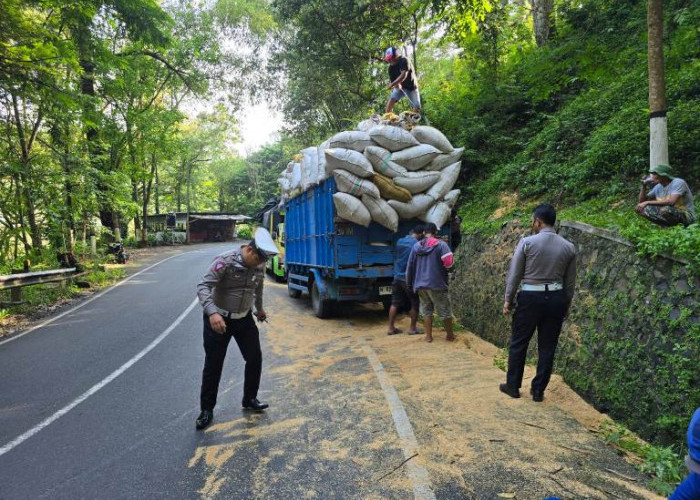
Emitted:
<point x="321" y="307"/>
<point x="293" y="292"/>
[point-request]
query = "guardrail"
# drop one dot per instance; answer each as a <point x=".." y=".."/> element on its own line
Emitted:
<point x="15" y="282"/>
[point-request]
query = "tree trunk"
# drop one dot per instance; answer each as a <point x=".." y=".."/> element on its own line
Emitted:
<point x="157" y="193"/>
<point x="147" y="188"/>
<point x="178" y="195"/>
<point x="658" y="138"/>
<point x="94" y="148"/>
<point x="542" y="20"/>
<point x="25" y="175"/>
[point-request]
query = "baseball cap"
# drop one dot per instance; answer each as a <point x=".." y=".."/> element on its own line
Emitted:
<point x="390" y="53"/>
<point x="662" y="170"/>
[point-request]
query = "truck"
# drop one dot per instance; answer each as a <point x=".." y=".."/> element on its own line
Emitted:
<point x="334" y="260"/>
<point x="273" y="221"/>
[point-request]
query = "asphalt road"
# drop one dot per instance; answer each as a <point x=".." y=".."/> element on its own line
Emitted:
<point x="101" y="404"/>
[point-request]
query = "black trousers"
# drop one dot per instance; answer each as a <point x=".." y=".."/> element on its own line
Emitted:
<point x="544" y="311"/>
<point x="246" y="334"/>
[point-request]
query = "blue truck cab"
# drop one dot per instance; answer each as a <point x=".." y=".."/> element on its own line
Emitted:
<point x="335" y="260"/>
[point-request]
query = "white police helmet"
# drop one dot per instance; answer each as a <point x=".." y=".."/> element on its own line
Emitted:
<point x="263" y="242"/>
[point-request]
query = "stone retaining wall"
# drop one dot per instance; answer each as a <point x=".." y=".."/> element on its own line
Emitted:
<point x="631" y="345"/>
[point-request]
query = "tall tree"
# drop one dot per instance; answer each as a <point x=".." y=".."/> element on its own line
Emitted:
<point x="658" y="139"/>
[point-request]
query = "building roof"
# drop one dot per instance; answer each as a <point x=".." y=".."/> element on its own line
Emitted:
<point x="235" y="218"/>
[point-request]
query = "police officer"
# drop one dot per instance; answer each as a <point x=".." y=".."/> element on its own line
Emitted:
<point x="227" y="291"/>
<point x="546" y="264"/>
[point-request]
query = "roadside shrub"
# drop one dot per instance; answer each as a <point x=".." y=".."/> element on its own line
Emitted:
<point x="244" y="231"/>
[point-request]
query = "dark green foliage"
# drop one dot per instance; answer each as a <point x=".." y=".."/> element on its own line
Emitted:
<point x="569" y="122"/>
<point x="653" y="382"/>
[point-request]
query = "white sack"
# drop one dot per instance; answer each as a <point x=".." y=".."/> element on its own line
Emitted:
<point x="415" y="157"/>
<point x="296" y="176"/>
<point x="445" y="160"/>
<point x="290" y="167"/>
<point x="448" y="178"/>
<point x="381" y="212"/>
<point x="366" y="125"/>
<point x="347" y="159"/>
<point x="438" y="214"/>
<point x="351" y="209"/>
<point x="354" y="185"/>
<point x="432" y="136"/>
<point x="392" y="138"/>
<point x="353" y="139"/>
<point x="417" y="182"/>
<point x="418" y="205"/>
<point x="284" y="183"/>
<point x="309" y="168"/>
<point x="451" y="197"/>
<point x="380" y="159"/>
<point x="322" y="173"/>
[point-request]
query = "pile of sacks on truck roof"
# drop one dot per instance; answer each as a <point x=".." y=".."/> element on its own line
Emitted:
<point x="386" y="170"/>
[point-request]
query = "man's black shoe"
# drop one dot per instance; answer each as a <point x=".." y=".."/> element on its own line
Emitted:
<point x="537" y="395"/>
<point x="205" y="418"/>
<point x="254" y="404"/>
<point x="513" y="393"/>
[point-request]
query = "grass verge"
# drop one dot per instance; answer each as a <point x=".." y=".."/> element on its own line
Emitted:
<point x="664" y="465"/>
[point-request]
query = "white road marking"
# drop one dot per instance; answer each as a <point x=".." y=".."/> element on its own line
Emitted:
<point x="51" y="320"/>
<point x="416" y="472"/>
<point x="34" y="430"/>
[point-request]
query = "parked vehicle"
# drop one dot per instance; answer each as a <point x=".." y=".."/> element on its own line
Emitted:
<point x="120" y="255"/>
<point x="335" y="260"/>
<point x="273" y="221"/>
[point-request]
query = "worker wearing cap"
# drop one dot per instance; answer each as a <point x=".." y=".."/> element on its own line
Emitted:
<point x="664" y="199"/>
<point x="227" y="292"/>
<point x="689" y="489"/>
<point x="403" y="80"/>
<point x="545" y="263"/>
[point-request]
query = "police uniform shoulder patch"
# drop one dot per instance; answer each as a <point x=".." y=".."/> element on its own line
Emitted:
<point x="218" y="265"/>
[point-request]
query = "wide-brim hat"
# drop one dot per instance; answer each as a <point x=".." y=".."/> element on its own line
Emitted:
<point x="263" y="243"/>
<point x="662" y="170"/>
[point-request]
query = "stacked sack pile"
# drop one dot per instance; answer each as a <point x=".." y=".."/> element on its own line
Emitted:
<point x="386" y="170"/>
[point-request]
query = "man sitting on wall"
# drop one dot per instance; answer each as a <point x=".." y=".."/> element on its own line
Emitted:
<point x="664" y="199"/>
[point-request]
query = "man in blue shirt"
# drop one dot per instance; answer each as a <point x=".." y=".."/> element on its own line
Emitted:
<point x="401" y="293"/>
<point x="689" y="489"/>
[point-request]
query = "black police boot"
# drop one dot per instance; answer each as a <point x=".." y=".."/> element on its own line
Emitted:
<point x="513" y="393"/>
<point x="205" y="418"/>
<point x="254" y="404"/>
<point x="537" y="395"/>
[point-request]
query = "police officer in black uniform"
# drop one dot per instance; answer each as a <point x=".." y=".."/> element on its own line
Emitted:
<point x="544" y="265"/>
<point x="227" y="293"/>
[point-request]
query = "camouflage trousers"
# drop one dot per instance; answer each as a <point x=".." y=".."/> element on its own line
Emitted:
<point x="667" y="215"/>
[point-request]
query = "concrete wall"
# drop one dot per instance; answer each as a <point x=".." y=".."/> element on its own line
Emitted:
<point x="631" y="345"/>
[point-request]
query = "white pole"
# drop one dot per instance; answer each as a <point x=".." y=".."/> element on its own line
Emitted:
<point x="658" y="141"/>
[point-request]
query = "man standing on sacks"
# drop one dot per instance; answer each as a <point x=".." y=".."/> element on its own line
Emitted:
<point x="546" y="264"/>
<point x="227" y="291"/>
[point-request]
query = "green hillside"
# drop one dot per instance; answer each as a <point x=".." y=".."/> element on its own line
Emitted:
<point x="568" y="122"/>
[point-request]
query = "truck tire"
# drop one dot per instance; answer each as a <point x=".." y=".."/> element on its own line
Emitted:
<point x="293" y="292"/>
<point x="321" y="307"/>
